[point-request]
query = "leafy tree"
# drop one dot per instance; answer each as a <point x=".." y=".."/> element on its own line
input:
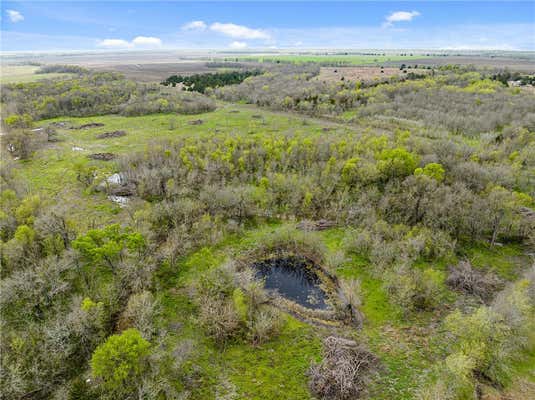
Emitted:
<point x="395" y="163"/>
<point x="19" y="121"/>
<point x="107" y="245"/>
<point x="25" y="212"/>
<point x="432" y="170"/>
<point x="120" y="360"/>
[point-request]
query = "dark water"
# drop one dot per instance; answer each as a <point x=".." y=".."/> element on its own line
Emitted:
<point x="291" y="278"/>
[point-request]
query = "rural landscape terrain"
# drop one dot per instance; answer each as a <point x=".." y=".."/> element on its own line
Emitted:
<point x="270" y="224"/>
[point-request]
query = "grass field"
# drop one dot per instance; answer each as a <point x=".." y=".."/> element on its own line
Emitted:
<point x="25" y="73"/>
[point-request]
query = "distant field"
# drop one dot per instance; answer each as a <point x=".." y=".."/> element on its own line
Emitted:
<point x="331" y="74"/>
<point x="24" y="73"/>
<point x="521" y="63"/>
<point x="157" y="72"/>
<point x="345" y="59"/>
<point x="155" y="66"/>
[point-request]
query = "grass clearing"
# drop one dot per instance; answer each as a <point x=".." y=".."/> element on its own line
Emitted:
<point x="25" y="73"/>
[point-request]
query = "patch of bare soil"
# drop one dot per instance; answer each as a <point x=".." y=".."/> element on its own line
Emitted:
<point x="113" y="134"/>
<point x="320" y="225"/>
<point x="61" y="124"/>
<point x="89" y="125"/>
<point x="196" y="122"/>
<point x="102" y="156"/>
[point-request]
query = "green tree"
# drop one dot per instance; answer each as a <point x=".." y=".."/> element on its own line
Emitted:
<point x="432" y="170"/>
<point x="120" y="360"/>
<point x="395" y="163"/>
<point x="108" y="245"/>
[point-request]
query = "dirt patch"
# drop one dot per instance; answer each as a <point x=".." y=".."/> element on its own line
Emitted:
<point x="102" y="156"/>
<point x="256" y="116"/>
<point x="61" y="125"/>
<point x="196" y="122"/>
<point x="113" y="134"/>
<point x="320" y="225"/>
<point x="89" y="125"/>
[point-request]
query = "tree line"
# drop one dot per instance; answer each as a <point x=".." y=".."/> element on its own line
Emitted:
<point x="200" y="82"/>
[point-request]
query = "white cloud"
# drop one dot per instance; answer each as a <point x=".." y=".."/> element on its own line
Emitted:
<point x="15" y="16"/>
<point x="114" y="44"/>
<point x="238" y="45"/>
<point x="400" y="16"/>
<point x="147" y="41"/>
<point x="194" y="26"/>
<point x="138" y="41"/>
<point x="238" y="31"/>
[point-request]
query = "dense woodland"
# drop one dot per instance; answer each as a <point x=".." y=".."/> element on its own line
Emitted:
<point x="414" y="172"/>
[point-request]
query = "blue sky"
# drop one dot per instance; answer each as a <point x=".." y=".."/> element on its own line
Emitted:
<point x="133" y="25"/>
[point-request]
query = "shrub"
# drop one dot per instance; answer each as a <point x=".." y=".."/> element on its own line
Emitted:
<point x="395" y="163"/>
<point x="220" y="319"/>
<point x="119" y="361"/>
<point x="352" y="292"/>
<point x="415" y="289"/>
<point x="432" y="170"/>
<point x="485" y="343"/>
<point x="468" y="280"/>
<point x="265" y="323"/>
<point x="139" y="313"/>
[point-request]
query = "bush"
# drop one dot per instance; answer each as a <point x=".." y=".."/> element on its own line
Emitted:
<point x="468" y="280"/>
<point x="220" y="319"/>
<point x="352" y="292"/>
<point x="120" y="360"/>
<point x="415" y="289"/>
<point x="396" y="163"/>
<point x="20" y="143"/>
<point x="139" y="313"/>
<point x="484" y="344"/>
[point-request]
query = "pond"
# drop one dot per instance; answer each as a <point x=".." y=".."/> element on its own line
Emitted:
<point x="293" y="279"/>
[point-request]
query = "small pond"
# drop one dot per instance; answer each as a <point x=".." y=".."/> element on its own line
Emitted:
<point x="293" y="279"/>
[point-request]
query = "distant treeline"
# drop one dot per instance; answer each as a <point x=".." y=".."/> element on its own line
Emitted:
<point x="506" y="76"/>
<point x="95" y="93"/>
<point x="199" y="82"/>
<point x="61" y="69"/>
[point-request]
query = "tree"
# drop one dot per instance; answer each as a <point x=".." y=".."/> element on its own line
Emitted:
<point x="108" y="245"/>
<point x="395" y="163"/>
<point x="120" y="360"/>
<point x="432" y="170"/>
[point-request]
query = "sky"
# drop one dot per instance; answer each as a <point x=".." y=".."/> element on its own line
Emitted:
<point x="249" y="25"/>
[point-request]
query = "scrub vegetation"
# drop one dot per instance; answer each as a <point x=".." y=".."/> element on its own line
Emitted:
<point x="133" y="215"/>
